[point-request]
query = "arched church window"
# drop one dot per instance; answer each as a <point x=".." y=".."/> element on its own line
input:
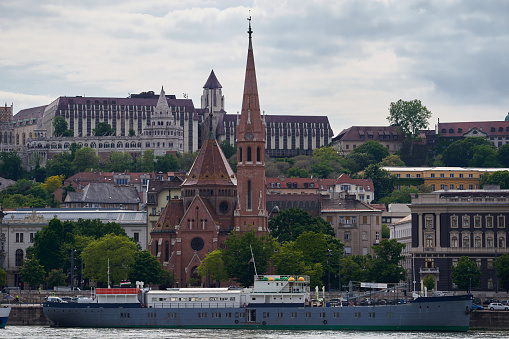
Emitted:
<point x="249" y="196"/>
<point x="167" y="251"/>
<point x="249" y="154"/>
<point x="240" y="154"/>
<point x="258" y="155"/>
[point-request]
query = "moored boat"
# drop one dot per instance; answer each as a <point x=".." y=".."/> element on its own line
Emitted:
<point x="4" y="315"/>
<point x="274" y="302"/>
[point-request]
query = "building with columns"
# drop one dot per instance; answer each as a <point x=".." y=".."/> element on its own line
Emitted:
<point x="447" y="225"/>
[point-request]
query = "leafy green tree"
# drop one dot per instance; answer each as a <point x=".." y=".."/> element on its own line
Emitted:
<point x="502" y="266"/>
<point x="3" y="278"/>
<point x="392" y="160"/>
<point x="166" y="163"/>
<point x="237" y="255"/>
<point x="461" y="152"/>
<point x="326" y="153"/>
<point x="51" y="184"/>
<point x="11" y="166"/>
<point x="59" y="126"/>
<point x="32" y="272"/>
<point x="376" y="149"/>
<point x="61" y="164"/>
<point x="147" y="162"/>
<point x="85" y="159"/>
<point x="353" y="268"/>
<point x="386" y="232"/>
<point x="289" y="224"/>
<point x="119" y="161"/>
<point x="503" y="155"/>
<point x="385" y="266"/>
<point x="401" y="196"/>
<point x="102" y="129"/>
<point x="120" y="251"/>
<point x="429" y="282"/>
<point x="26" y="193"/>
<point x="132" y="133"/>
<point x="288" y="259"/>
<point x="466" y="274"/>
<point x="500" y="178"/>
<point x="213" y="267"/>
<point x="56" y="278"/>
<point x="166" y="280"/>
<point x="146" y="268"/>
<point x="227" y="148"/>
<point x="48" y="242"/>
<point x="410" y="116"/>
<point x="484" y="156"/>
<point x="383" y="180"/>
<point x="356" y="162"/>
<point x="322" y="169"/>
<point x="97" y="229"/>
<point x="186" y="160"/>
<point x="295" y="172"/>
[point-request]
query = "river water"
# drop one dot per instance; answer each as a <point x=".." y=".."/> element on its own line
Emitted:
<point x="34" y="332"/>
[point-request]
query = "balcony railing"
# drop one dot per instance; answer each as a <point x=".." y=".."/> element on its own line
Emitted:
<point x="429" y="270"/>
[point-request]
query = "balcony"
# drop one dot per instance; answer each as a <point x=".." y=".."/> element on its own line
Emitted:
<point x="428" y="270"/>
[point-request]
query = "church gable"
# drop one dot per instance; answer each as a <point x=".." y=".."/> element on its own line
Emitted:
<point x="199" y="216"/>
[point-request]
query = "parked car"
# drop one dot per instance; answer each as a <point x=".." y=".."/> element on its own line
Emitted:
<point x="489" y="301"/>
<point x="477" y="301"/>
<point x="477" y="307"/>
<point x="498" y="307"/>
<point x="55" y="300"/>
<point x="505" y="302"/>
<point x="66" y="299"/>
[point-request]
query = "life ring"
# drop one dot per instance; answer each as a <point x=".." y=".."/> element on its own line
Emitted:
<point x="264" y="323"/>
<point x="244" y="305"/>
<point x="236" y="321"/>
<point x="350" y="303"/>
<point x="325" y="322"/>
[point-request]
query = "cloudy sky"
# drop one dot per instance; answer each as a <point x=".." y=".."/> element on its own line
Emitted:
<point x="347" y="60"/>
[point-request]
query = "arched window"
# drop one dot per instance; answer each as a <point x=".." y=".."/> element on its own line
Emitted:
<point x="454" y="241"/>
<point x="167" y="251"/>
<point x="258" y="155"/>
<point x="477" y="241"/>
<point x="19" y="257"/>
<point x="501" y="242"/>
<point x="466" y="241"/>
<point x="429" y="241"/>
<point x="249" y="154"/>
<point x="489" y="242"/>
<point x="249" y="203"/>
<point x="240" y="154"/>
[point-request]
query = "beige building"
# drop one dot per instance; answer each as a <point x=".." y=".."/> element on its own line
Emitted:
<point x="357" y="224"/>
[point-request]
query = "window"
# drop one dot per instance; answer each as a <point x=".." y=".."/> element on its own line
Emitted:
<point x="489" y="221"/>
<point x="364" y="235"/>
<point x="478" y="263"/>
<point x="432" y="175"/>
<point x="490" y="283"/>
<point x="501" y="221"/>
<point x="489" y="242"/>
<point x="364" y="219"/>
<point x="461" y="175"/>
<point x="32" y="237"/>
<point x="466" y="241"/>
<point x="408" y="175"/>
<point x="454" y="241"/>
<point x="466" y="221"/>
<point x="377" y="236"/>
<point x="477" y="222"/>
<point x="429" y="222"/>
<point x="442" y="175"/>
<point x="429" y="263"/>
<point x="451" y="175"/>
<point x="501" y="242"/>
<point x="477" y="241"/>
<point x="19" y="237"/>
<point x="136" y="237"/>
<point x="454" y="221"/>
<point x="454" y="262"/>
<point x="347" y="236"/>
<point x="429" y="241"/>
<point x="19" y="257"/>
<point x="489" y="263"/>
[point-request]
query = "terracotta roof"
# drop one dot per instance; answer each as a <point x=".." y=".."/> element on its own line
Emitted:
<point x="211" y="167"/>
<point x="28" y="116"/>
<point x="345" y="179"/>
<point x="354" y="133"/>
<point x="171" y="216"/>
<point x="457" y="129"/>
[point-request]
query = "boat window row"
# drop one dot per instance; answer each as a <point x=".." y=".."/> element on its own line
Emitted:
<point x="219" y="315"/>
<point x="193" y="299"/>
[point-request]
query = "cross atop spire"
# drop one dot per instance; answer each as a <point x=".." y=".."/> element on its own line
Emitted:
<point x="250" y="31"/>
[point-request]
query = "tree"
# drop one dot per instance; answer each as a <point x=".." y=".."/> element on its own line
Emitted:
<point x="166" y="163"/>
<point x="383" y="181"/>
<point x="484" y="156"/>
<point x="238" y="259"/>
<point x="392" y="160"/>
<point x="119" y="161"/>
<point x="502" y="266"/>
<point x="385" y="266"/>
<point x="322" y="169"/>
<point x="500" y="178"/>
<point x="376" y="149"/>
<point x="353" y="268"/>
<point x="132" y="133"/>
<point x="466" y="274"/>
<point x="386" y="232"/>
<point x="59" y="126"/>
<point x="356" y="162"/>
<point x="213" y="266"/>
<point x="146" y="268"/>
<point x="11" y="166"/>
<point x="401" y="196"/>
<point x="295" y="172"/>
<point x="56" y="278"/>
<point x="429" y="282"/>
<point x="48" y="243"/>
<point x="503" y="155"/>
<point x="326" y="153"/>
<point x="146" y="164"/>
<point x="289" y="224"/>
<point x="227" y="148"/>
<point x="118" y="250"/>
<point x="84" y="159"/>
<point x="51" y="184"/>
<point x="102" y="129"/>
<point x="186" y="160"/>
<point x="410" y="116"/>
<point x="61" y="164"/>
<point x="461" y="152"/>
<point x="32" y="272"/>
<point x="3" y="278"/>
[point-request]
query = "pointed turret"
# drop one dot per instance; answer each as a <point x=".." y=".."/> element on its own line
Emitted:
<point x="212" y="82"/>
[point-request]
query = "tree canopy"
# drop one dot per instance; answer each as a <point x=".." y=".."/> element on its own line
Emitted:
<point x="32" y="272"/>
<point x="289" y="224"/>
<point x="146" y="268"/>
<point x="466" y="274"/>
<point x="118" y="250"/>
<point x="382" y="180"/>
<point x="60" y="127"/>
<point x="410" y="116"/>
<point x="85" y="159"/>
<point x="374" y="148"/>
<point x="462" y="152"/>
<point x="386" y="264"/>
<point x="11" y="166"/>
<point x="103" y="129"/>
<point x="213" y="267"/>
<point x="502" y="266"/>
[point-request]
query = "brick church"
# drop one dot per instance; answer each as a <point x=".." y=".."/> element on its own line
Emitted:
<point x="216" y="201"/>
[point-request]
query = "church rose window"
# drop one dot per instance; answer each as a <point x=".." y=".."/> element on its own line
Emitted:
<point x="197" y="244"/>
<point x="223" y="207"/>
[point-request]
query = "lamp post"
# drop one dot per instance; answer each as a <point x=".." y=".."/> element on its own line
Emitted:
<point x="329" y="255"/>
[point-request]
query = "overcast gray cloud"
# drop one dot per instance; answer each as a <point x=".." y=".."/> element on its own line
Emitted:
<point x="345" y="59"/>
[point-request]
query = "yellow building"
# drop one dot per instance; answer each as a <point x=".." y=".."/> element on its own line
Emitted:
<point x="441" y="178"/>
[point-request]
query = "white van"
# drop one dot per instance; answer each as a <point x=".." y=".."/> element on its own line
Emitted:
<point x="55" y="300"/>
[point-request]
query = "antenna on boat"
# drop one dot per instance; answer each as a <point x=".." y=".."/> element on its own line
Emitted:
<point x="252" y="259"/>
